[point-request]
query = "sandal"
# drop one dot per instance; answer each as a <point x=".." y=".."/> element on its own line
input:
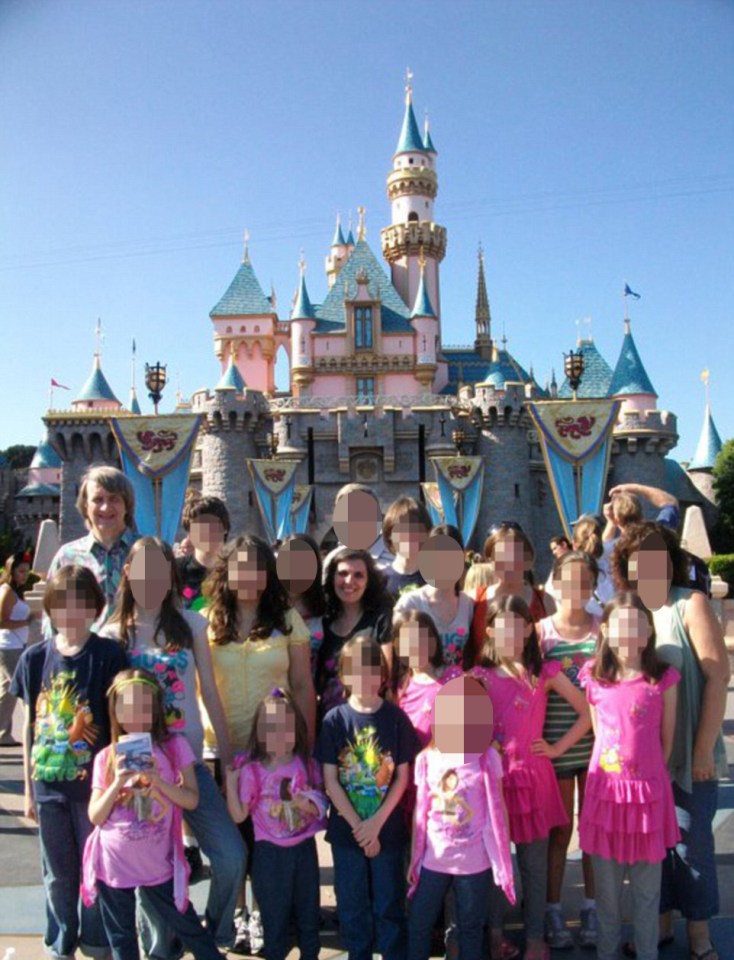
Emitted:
<point x="710" y="953"/>
<point x="505" y="951"/>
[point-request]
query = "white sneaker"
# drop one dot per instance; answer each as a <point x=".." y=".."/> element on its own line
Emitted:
<point x="255" y="928"/>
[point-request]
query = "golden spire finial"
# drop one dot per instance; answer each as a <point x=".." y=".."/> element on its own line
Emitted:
<point x="408" y="86"/>
<point x="361" y="230"/>
<point x="302" y="262"/>
<point x="246" y="254"/>
<point x="705" y="377"/>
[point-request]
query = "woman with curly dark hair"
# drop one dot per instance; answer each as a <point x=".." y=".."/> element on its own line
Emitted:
<point x="648" y="558"/>
<point x="257" y="640"/>
<point x="357" y="603"/>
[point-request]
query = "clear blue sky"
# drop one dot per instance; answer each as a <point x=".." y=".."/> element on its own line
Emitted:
<point x="584" y="144"/>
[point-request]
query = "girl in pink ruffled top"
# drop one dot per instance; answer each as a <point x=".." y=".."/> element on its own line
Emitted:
<point x="628" y="819"/>
<point x="518" y="681"/>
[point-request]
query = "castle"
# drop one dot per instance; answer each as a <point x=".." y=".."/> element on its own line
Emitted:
<point x="374" y="393"/>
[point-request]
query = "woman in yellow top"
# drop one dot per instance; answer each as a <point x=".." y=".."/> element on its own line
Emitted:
<point x="257" y="640"/>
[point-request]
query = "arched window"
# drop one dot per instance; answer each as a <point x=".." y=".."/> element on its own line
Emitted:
<point x="363" y="328"/>
<point x="412" y="217"/>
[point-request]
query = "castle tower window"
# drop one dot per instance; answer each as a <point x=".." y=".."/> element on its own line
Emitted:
<point x="413" y="216"/>
<point x="363" y="328"/>
<point x="366" y="388"/>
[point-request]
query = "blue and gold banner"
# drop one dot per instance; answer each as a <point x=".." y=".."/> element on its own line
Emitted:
<point x="460" y="481"/>
<point x="300" y="507"/>
<point x="156" y="458"/>
<point x="274" y="482"/>
<point x="575" y="437"/>
<point x="433" y="502"/>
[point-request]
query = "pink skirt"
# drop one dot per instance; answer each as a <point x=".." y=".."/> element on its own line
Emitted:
<point x="533" y="800"/>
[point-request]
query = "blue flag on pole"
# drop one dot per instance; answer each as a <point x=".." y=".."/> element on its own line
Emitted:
<point x="628" y="292"/>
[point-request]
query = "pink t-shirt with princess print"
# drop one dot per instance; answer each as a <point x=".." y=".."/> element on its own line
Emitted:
<point x="276" y="800"/>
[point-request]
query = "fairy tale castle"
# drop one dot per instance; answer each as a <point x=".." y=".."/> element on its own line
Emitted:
<point x="374" y="394"/>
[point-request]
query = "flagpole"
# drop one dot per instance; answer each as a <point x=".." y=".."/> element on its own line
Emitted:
<point x="626" y="305"/>
<point x="51" y="396"/>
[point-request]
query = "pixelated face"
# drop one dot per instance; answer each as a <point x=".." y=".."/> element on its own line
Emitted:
<point x="105" y="512"/>
<point x="72" y="613"/>
<point x="628" y="631"/>
<point x="207" y="533"/>
<point x="575" y="584"/>
<point x="276" y="729"/>
<point x="462" y="717"/>
<point x="20" y="573"/>
<point x="246" y="576"/>
<point x="134" y="707"/>
<point x="350" y="581"/>
<point x="357" y="519"/>
<point x="441" y="561"/>
<point x="408" y="537"/>
<point x="361" y="676"/>
<point x="649" y="572"/>
<point x="416" y="645"/>
<point x="297" y="566"/>
<point x="149" y="574"/>
<point x="508" y="633"/>
<point x="509" y="556"/>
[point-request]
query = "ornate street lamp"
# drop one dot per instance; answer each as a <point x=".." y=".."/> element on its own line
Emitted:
<point x="573" y="366"/>
<point x="458" y="436"/>
<point x="155" y="381"/>
<point x="273" y="443"/>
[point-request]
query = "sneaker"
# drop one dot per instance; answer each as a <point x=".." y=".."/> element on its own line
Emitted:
<point x="557" y="934"/>
<point x="241" y="934"/>
<point x="587" y="933"/>
<point x="199" y="870"/>
<point x="256" y="932"/>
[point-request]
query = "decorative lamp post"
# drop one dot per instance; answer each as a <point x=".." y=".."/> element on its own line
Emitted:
<point x="458" y="436"/>
<point x="573" y="366"/>
<point x="155" y="381"/>
<point x="273" y="443"/>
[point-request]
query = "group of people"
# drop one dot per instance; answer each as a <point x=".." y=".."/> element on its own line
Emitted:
<point x="235" y="698"/>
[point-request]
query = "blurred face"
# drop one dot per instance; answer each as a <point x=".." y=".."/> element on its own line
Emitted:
<point x="441" y="561"/>
<point x="72" y="614"/>
<point x="462" y="717"/>
<point x="20" y="574"/>
<point x="134" y="707"/>
<point x="207" y="533"/>
<point x="105" y="512"/>
<point x="649" y="572"/>
<point x="509" y="558"/>
<point x="559" y="548"/>
<point x="408" y="537"/>
<point x="628" y="631"/>
<point x="416" y="645"/>
<point x="361" y="677"/>
<point x="357" y="520"/>
<point x="246" y="576"/>
<point x="276" y="729"/>
<point x="149" y="575"/>
<point x="297" y="566"/>
<point x="508" y="633"/>
<point x="350" y="581"/>
<point x="575" y="585"/>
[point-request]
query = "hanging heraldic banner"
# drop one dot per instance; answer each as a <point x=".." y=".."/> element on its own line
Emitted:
<point x="274" y="482"/>
<point x="300" y="507"/>
<point x="460" y="483"/>
<point x="156" y="458"/>
<point x="575" y="437"/>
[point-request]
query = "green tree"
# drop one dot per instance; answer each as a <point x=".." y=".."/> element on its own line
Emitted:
<point x="724" y="490"/>
<point x="18" y="456"/>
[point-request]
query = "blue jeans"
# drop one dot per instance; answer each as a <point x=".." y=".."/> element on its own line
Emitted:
<point x="689" y="872"/>
<point x="221" y="842"/>
<point x="118" y="913"/>
<point x="470" y="894"/>
<point x="285" y="881"/>
<point x="63" y="828"/>
<point x="370" y="901"/>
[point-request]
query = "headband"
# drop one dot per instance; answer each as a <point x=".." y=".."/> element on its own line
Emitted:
<point x="128" y="680"/>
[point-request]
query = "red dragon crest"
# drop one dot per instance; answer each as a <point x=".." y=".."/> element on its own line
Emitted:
<point x="274" y="476"/>
<point x="156" y="442"/>
<point x="457" y="471"/>
<point x="575" y="428"/>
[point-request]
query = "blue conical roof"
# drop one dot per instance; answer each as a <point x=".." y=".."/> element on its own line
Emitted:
<point x="96" y="387"/>
<point x="422" y="306"/>
<point x="303" y="308"/>
<point x="232" y="379"/>
<point x="350" y="238"/>
<point x="45" y="457"/>
<point x="597" y="376"/>
<point x="502" y="369"/>
<point x="427" y="141"/>
<point x="134" y="406"/>
<point x="338" y="240"/>
<point x="410" y="140"/>
<point x="630" y="376"/>
<point x="244" y="296"/>
<point x="709" y="444"/>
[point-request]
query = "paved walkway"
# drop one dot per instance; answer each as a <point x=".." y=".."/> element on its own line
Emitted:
<point x="22" y="910"/>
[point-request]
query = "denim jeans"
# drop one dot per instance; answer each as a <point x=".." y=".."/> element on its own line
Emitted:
<point x="285" y="881"/>
<point x="221" y="842"/>
<point x="63" y="828"/>
<point x="689" y="872"/>
<point x="470" y="894"/>
<point x="370" y="901"/>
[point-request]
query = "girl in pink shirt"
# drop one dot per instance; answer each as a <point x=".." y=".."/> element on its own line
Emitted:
<point x="280" y="787"/>
<point x="416" y="668"/>
<point x="518" y="682"/>
<point x="629" y="819"/>
<point x="135" y="807"/>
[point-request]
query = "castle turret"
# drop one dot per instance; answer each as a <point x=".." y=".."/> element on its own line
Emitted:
<point x="412" y="186"/>
<point x="630" y="381"/>
<point x="701" y="467"/>
<point x="338" y="254"/>
<point x="482" y="316"/>
<point x="303" y="321"/>
<point x="96" y="394"/>
<point x="423" y="318"/>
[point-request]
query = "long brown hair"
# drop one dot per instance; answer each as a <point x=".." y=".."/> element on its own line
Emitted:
<point x="607" y="666"/>
<point x="401" y="669"/>
<point x="256" y="747"/>
<point x="170" y="622"/>
<point x="224" y="609"/>
<point x="531" y="658"/>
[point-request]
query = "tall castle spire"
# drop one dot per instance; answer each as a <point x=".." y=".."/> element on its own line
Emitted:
<point x="482" y="316"/>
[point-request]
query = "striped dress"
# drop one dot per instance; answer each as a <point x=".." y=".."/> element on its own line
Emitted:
<point x="560" y="715"/>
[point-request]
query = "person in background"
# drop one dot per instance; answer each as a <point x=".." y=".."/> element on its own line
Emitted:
<point x="206" y="522"/>
<point x="300" y="570"/>
<point x="405" y="529"/>
<point x="15" y="618"/>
